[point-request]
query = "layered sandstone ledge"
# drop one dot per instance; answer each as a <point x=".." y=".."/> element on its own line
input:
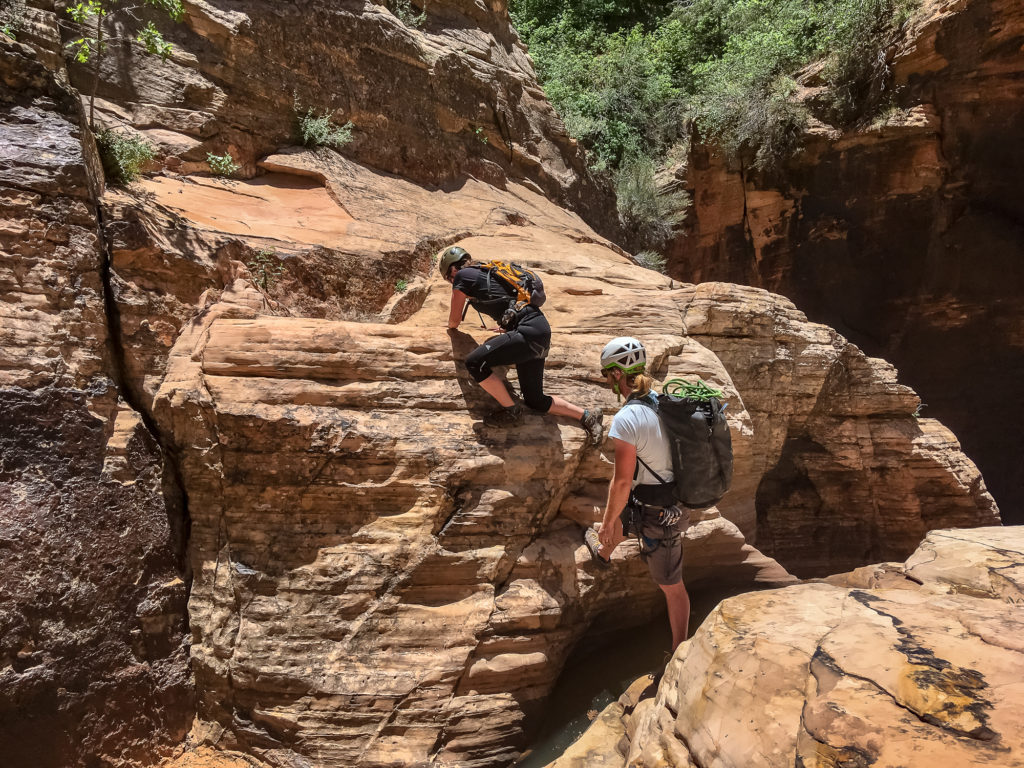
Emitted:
<point x="380" y="578"/>
<point x="910" y="664"/>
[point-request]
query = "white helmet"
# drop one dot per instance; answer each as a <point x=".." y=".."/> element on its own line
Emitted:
<point x="625" y="353"/>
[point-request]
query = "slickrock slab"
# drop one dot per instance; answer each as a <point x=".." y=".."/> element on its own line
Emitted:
<point x="928" y="674"/>
<point x="172" y="239"/>
<point x="93" y="669"/>
<point x="454" y="97"/>
<point x="380" y="578"/>
<point x="283" y="207"/>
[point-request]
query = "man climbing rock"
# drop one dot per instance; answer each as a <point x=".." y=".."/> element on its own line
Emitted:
<point x="524" y="343"/>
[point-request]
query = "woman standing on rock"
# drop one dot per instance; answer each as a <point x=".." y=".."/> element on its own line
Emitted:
<point x="525" y="345"/>
<point x="642" y="495"/>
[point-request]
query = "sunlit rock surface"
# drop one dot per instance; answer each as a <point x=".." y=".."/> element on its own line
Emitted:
<point x="381" y="578"/>
<point x="913" y="664"/>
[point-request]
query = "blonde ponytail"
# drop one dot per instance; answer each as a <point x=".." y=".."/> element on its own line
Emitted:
<point x="641" y="383"/>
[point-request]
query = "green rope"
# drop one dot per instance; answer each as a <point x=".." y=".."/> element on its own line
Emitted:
<point x="698" y="391"/>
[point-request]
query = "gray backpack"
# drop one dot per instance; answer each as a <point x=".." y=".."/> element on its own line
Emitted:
<point x="698" y="434"/>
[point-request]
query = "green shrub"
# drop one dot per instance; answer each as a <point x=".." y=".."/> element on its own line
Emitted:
<point x="613" y="91"/>
<point x="650" y="260"/>
<point x="123" y="155"/>
<point x="761" y="116"/>
<point x="401" y="286"/>
<point x="854" y="37"/>
<point x="222" y="165"/>
<point x="265" y="269"/>
<point x="403" y="10"/>
<point x="12" y="16"/>
<point x="643" y="208"/>
<point x="318" y="130"/>
<point x="629" y="90"/>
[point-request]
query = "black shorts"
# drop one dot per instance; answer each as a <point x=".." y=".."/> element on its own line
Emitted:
<point x="526" y="348"/>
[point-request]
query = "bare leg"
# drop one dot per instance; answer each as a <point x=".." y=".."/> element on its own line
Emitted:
<point x="494" y="385"/>
<point x="678" y="601"/>
<point x="561" y="407"/>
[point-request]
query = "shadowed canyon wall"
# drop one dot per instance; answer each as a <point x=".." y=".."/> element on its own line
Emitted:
<point x="93" y="654"/>
<point x="903" y="234"/>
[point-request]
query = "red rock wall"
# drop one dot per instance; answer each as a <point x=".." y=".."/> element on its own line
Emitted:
<point x="456" y="97"/>
<point x="93" y="665"/>
<point x="906" y="236"/>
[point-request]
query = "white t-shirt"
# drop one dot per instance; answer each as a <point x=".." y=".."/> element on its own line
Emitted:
<point x="640" y="426"/>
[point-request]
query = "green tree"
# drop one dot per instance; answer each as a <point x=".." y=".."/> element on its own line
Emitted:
<point x="606" y="15"/>
<point x="92" y="43"/>
<point x="728" y="65"/>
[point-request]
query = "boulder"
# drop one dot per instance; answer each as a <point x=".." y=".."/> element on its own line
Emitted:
<point x="382" y="578"/>
<point x="918" y="673"/>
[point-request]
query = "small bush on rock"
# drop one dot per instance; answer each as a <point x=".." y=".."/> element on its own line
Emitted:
<point x="123" y="156"/>
<point x="650" y="260"/>
<point x="12" y="16"/>
<point x="222" y="165"/>
<point x="318" y="130"/>
<point x="265" y="269"/>
<point x="643" y="208"/>
<point x="405" y="13"/>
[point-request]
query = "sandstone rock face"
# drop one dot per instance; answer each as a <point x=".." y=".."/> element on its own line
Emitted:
<point x="825" y="442"/>
<point x="92" y="602"/>
<point x="903" y="235"/>
<point x="918" y="664"/>
<point x="380" y="578"/>
<point x="456" y="96"/>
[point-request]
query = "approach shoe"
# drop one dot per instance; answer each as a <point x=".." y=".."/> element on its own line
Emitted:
<point x="505" y="417"/>
<point x="592" y="422"/>
<point x="593" y="542"/>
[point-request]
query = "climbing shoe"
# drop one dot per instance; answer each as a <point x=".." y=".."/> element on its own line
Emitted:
<point x="591" y="421"/>
<point x="593" y="542"/>
<point x="505" y="417"/>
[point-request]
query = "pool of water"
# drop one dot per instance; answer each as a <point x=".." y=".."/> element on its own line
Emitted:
<point x="595" y="678"/>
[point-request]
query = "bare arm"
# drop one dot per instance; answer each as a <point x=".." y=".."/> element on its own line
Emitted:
<point x="618" y="488"/>
<point x="458" y="303"/>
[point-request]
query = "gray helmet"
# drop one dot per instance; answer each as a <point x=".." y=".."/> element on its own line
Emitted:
<point x="453" y="254"/>
<point x="625" y="353"/>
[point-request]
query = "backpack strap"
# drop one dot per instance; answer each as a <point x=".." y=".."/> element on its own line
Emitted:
<point x="645" y="401"/>
<point x="471" y="302"/>
<point x="656" y="475"/>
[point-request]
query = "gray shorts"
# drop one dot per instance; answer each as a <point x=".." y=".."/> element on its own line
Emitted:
<point x="661" y="546"/>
